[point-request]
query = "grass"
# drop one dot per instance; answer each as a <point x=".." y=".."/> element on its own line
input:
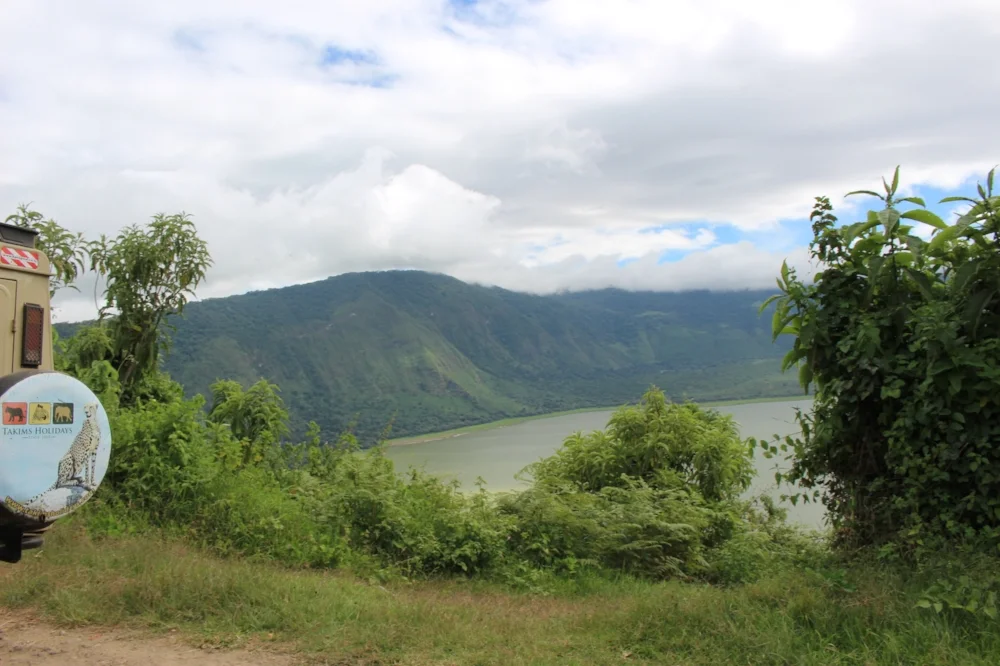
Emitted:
<point x="445" y="434"/>
<point x="797" y="618"/>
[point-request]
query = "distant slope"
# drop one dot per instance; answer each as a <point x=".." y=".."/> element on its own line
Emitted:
<point x="438" y="353"/>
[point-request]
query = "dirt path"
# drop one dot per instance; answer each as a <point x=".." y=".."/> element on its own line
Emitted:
<point x="25" y="641"/>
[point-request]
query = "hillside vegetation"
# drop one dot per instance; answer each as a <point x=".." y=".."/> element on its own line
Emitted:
<point x="630" y="543"/>
<point x="431" y="353"/>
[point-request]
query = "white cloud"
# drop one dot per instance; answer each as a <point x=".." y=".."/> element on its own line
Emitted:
<point x="515" y="142"/>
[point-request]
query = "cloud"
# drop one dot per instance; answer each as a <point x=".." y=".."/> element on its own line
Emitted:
<point x="539" y="145"/>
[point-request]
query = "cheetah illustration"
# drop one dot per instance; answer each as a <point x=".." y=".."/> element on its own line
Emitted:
<point x="81" y="459"/>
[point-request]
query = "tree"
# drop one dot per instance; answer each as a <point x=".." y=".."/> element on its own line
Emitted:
<point x="901" y="337"/>
<point x="257" y="417"/>
<point x="151" y="272"/>
<point x="67" y="252"/>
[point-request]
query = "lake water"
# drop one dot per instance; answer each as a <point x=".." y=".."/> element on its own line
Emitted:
<point x="498" y="454"/>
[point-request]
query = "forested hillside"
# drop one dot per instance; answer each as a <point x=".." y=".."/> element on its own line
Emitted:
<point x="438" y="353"/>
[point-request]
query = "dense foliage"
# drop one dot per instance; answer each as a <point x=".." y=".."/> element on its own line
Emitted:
<point x="150" y="273"/>
<point x="896" y="332"/>
<point x="900" y="333"/>
<point x="223" y="482"/>
<point x="656" y="494"/>
<point x="428" y="353"/>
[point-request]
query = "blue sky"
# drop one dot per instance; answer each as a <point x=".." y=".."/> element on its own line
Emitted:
<point x="538" y="145"/>
<point x="790" y="234"/>
<point x="335" y="55"/>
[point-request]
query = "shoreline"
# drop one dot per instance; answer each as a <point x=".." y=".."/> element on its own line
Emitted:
<point x="515" y="420"/>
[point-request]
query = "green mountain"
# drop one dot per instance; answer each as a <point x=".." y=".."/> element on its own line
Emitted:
<point x="436" y="353"/>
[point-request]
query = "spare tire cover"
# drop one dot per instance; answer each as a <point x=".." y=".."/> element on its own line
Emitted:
<point x="55" y="444"/>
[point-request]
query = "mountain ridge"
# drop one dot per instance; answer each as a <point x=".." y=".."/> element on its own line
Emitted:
<point x="439" y="353"/>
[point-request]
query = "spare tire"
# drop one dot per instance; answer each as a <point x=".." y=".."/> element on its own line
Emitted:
<point x="55" y="446"/>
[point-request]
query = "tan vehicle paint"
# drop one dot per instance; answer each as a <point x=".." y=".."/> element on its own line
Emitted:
<point x="55" y="439"/>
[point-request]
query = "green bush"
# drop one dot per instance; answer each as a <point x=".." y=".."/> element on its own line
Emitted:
<point x="632" y="528"/>
<point x="164" y="458"/>
<point x="653" y="495"/>
<point x="666" y="445"/>
<point x="901" y="337"/>
<point x="248" y="513"/>
<point x="225" y="483"/>
<point x="761" y="543"/>
<point x="419" y="524"/>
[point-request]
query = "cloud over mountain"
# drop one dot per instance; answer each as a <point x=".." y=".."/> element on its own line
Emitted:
<point x="537" y="145"/>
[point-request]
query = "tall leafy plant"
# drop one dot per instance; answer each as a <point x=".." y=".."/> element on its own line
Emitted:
<point x="151" y="273"/>
<point x="67" y="252"/>
<point x="901" y="337"/>
<point x="257" y="417"/>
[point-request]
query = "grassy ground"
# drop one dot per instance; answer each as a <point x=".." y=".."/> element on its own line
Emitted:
<point x="799" y="618"/>
<point x="445" y="434"/>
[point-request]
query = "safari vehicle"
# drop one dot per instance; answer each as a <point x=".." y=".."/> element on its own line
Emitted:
<point x="55" y="439"/>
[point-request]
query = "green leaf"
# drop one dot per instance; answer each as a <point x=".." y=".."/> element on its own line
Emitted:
<point x="915" y="243"/>
<point x="926" y="217"/>
<point x="924" y="603"/>
<point x="942" y="239"/>
<point x="973" y="215"/>
<point x="923" y="282"/>
<point x="770" y="299"/>
<point x="895" y="180"/>
<point x="976" y="305"/>
<point x="852" y="231"/>
<point x="805" y="375"/>
<point x="951" y="199"/>
<point x="989" y="181"/>
<point x="875" y="265"/>
<point x="903" y="258"/>
<point x="793" y="356"/>
<point x="913" y="200"/>
<point x="889" y="218"/>
<point x="776" y="323"/>
<point x="963" y="274"/>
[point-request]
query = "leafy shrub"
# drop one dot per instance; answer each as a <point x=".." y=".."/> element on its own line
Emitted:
<point x="256" y="418"/>
<point x="164" y="457"/>
<point x="420" y="524"/>
<point x="632" y="528"/>
<point x="761" y="543"/>
<point x="654" y="495"/>
<point x="900" y="337"/>
<point x="248" y="513"/>
<point x="666" y="445"/>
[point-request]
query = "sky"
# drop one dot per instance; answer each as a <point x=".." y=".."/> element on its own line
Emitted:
<point x="538" y="145"/>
